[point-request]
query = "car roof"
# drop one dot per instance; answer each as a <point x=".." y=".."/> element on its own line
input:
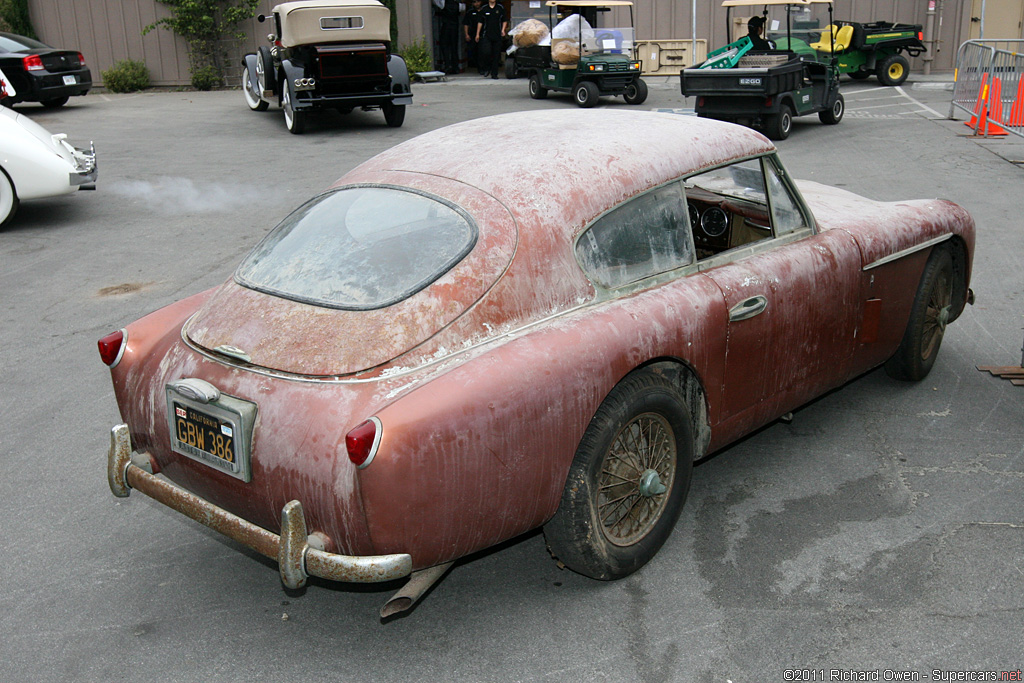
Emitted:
<point x="286" y="7"/>
<point x="561" y="168"/>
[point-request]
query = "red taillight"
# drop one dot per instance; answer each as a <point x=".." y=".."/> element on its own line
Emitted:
<point x="920" y="35"/>
<point x="362" y="442"/>
<point x="32" y="63"/>
<point x="81" y="59"/>
<point x="111" y="347"/>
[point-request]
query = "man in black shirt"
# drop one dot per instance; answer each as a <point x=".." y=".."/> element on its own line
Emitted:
<point x="469" y="22"/>
<point x="489" y="32"/>
<point x="449" y="39"/>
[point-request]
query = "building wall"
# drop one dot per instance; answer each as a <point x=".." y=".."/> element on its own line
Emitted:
<point x="107" y="31"/>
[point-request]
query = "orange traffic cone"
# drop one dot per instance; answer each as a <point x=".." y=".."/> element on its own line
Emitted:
<point x="996" y="112"/>
<point x="980" y="104"/>
<point x="1017" y="110"/>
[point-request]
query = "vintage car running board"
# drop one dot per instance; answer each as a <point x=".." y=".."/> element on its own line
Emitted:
<point x="296" y="552"/>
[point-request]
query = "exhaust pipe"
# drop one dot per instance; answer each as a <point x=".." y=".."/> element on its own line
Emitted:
<point x="419" y="583"/>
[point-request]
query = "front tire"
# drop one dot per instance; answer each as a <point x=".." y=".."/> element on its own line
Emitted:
<point x="627" y="482"/>
<point x="394" y="114"/>
<point x="931" y="311"/>
<point x="294" y="120"/>
<point x="635" y="93"/>
<point x="586" y="94"/>
<point x="833" y="115"/>
<point x="779" y="125"/>
<point x="252" y="99"/>
<point x="893" y="70"/>
<point x="8" y="198"/>
<point x="537" y="89"/>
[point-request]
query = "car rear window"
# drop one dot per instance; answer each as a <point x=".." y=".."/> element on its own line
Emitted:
<point x="13" y="43"/>
<point x="360" y="248"/>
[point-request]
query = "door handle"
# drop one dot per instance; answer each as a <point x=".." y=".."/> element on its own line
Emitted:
<point x="748" y="309"/>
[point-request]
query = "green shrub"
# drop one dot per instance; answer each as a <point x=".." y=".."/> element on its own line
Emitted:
<point x="126" y="76"/>
<point x="417" y="56"/>
<point x="14" y="18"/>
<point x="205" y="78"/>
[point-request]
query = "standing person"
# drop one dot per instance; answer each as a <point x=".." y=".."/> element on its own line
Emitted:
<point x="469" y="22"/>
<point x="489" y="32"/>
<point x="449" y="39"/>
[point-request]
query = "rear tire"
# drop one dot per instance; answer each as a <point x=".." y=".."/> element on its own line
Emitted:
<point x="893" y="70"/>
<point x="586" y="94"/>
<point x="394" y="114"/>
<point x="537" y="90"/>
<point x="294" y="120"/>
<point x="779" y="125"/>
<point x="635" y="93"/>
<point x="54" y="103"/>
<point x="834" y="115"/>
<point x="511" y="71"/>
<point x="926" y="326"/>
<point x="628" y="481"/>
<point x="8" y="198"/>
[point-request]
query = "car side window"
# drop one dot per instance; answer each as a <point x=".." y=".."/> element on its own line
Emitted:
<point x="728" y="207"/>
<point x="645" y="236"/>
<point x="786" y="214"/>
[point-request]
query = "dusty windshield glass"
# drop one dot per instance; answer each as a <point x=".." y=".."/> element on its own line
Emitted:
<point x="359" y="248"/>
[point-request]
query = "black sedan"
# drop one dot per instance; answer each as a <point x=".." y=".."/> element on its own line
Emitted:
<point x="40" y="73"/>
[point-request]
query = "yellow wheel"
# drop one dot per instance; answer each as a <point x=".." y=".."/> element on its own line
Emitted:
<point x="893" y="70"/>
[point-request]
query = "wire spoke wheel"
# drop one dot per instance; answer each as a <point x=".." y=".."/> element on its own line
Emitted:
<point x="936" y="315"/>
<point x="636" y="475"/>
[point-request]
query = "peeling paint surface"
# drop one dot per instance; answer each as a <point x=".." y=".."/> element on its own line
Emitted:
<point x="485" y="381"/>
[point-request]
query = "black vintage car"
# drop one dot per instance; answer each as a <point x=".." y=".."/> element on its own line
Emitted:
<point x="40" y="73"/>
<point x="328" y="54"/>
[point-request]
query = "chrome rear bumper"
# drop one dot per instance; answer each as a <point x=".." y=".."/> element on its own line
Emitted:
<point x="298" y="559"/>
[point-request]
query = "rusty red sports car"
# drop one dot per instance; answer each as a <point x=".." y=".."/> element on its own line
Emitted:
<point x="466" y="338"/>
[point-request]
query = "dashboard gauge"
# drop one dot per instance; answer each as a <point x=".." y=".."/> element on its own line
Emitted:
<point x="694" y="216"/>
<point x="714" y="222"/>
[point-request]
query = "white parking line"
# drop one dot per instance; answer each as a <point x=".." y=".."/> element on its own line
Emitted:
<point x="900" y="90"/>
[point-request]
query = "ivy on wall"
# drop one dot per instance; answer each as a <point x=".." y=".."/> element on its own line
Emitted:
<point x="14" y="18"/>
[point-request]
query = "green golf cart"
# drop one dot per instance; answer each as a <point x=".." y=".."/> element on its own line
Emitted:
<point x="586" y="62"/>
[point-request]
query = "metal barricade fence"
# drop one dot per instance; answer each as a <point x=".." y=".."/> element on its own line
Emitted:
<point x="989" y="86"/>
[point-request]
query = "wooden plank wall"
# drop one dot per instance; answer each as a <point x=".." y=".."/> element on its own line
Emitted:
<point x="107" y="31"/>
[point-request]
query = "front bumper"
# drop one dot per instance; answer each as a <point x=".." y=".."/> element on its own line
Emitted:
<point x="292" y="549"/>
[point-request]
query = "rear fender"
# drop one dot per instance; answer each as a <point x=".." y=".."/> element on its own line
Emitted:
<point x="400" y="84"/>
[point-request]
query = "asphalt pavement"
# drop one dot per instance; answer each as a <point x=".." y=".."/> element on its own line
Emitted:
<point x="882" y="530"/>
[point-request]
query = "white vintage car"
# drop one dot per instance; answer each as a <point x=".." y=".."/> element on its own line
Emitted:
<point x="35" y="163"/>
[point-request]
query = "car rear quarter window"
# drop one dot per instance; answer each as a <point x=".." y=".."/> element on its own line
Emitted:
<point x="10" y="43"/>
<point x="643" y="237"/>
<point x="360" y="248"/>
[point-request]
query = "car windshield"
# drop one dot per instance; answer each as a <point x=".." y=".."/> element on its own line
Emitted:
<point x="359" y="248"/>
<point x="12" y="43"/>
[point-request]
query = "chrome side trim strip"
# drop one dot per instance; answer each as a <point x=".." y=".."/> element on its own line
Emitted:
<point x="907" y="252"/>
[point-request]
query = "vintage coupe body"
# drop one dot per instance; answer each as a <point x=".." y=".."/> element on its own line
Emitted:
<point x="34" y="163"/>
<point x="442" y="352"/>
<point x="328" y="54"/>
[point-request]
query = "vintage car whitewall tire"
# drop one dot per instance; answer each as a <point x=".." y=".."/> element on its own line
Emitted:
<point x="295" y="121"/>
<point x="931" y="311"/>
<point x="255" y="102"/>
<point x="8" y="198"/>
<point x="627" y="482"/>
